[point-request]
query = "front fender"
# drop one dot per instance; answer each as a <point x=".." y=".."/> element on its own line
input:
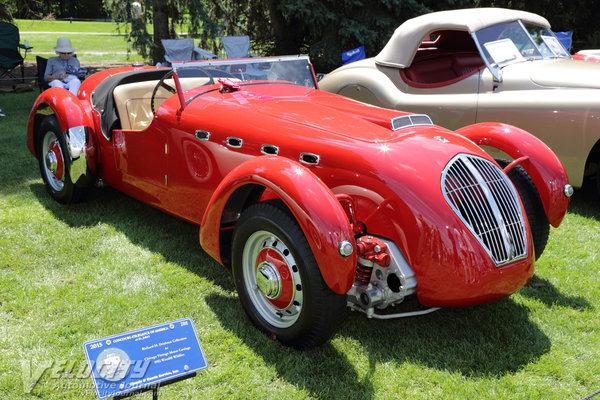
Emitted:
<point x="544" y="168"/>
<point x="67" y="108"/>
<point x="315" y="207"/>
<point x="75" y="122"/>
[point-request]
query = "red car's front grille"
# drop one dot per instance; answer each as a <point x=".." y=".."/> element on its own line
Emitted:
<point x="486" y="201"/>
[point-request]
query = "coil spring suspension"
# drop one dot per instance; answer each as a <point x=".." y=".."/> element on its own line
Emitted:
<point x="370" y="251"/>
<point x="363" y="273"/>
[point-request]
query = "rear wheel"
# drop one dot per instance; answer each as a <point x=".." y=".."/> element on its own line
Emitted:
<point x="278" y="280"/>
<point x="55" y="162"/>
<point x="538" y="222"/>
<point x="598" y="178"/>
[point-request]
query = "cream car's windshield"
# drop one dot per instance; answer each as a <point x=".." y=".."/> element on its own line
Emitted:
<point x="511" y="42"/>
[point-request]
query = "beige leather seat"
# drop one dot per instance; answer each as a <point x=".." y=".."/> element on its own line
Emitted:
<point x="133" y="100"/>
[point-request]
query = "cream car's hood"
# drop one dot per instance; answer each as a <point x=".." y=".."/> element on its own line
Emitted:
<point x="565" y="73"/>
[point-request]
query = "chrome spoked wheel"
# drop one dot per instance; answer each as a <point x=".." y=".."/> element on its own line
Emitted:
<point x="278" y="280"/>
<point x="52" y="162"/>
<point x="55" y="163"/>
<point x="272" y="279"/>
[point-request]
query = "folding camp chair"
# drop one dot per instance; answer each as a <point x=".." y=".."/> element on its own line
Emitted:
<point x="236" y="46"/>
<point x="201" y="54"/>
<point x="178" y="49"/>
<point x="41" y="63"/>
<point x="10" y="51"/>
<point x="184" y="50"/>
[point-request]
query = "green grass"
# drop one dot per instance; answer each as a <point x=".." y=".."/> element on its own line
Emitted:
<point x="70" y="274"/>
<point x="93" y="41"/>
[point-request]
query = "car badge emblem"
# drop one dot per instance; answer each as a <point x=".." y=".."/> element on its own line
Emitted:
<point x="442" y="139"/>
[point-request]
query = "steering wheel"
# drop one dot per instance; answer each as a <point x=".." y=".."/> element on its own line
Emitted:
<point x="161" y="83"/>
<point x="171" y="89"/>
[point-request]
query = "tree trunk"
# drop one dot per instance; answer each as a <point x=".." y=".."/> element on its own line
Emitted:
<point x="160" y="12"/>
<point x="287" y="34"/>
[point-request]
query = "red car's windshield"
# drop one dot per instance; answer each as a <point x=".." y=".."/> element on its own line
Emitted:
<point x="294" y="69"/>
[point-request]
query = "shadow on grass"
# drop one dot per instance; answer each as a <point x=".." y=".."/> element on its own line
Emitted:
<point x="544" y="291"/>
<point x="586" y="202"/>
<point x="325" y="372"/>
<point x="485" y="340"/>
<point x="176" y="240"/>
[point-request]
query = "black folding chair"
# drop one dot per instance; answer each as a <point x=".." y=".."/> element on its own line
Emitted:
<point x="41" y="63"/>
<point x="10" y="51"/>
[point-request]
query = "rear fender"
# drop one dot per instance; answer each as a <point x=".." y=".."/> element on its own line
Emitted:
<point x="316" y="209"/>
<point x="75" y="122"/>
<point x="542" y="165"/>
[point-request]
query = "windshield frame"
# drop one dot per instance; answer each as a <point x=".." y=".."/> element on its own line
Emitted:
<point x="505" y="47"/>
<point x="230" y="72"/>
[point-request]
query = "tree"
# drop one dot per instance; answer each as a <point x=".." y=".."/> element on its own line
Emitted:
<point x="324" y="28"/>
<point x="166" y="16"/>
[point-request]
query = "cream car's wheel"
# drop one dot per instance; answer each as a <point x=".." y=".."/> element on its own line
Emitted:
<point x="54" y="162"/>
<point x="278" y="281"/>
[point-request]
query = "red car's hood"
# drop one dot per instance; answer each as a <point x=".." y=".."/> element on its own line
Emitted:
<point x="297" y="108"/>
<point x="564" y="73"/>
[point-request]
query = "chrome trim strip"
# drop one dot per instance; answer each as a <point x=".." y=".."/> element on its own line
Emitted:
<point x="234" y="142"/>
<point x="76" y="140"/>
<point x="269" y="149"/>
<point x="309" y="158"/>
<point x="202" y="135"/>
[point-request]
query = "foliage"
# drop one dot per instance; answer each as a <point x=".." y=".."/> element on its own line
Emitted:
<point x="66" y="9"/>
<point x="326" y="28"/>
<point x="167" y="16"/>
<point x="5" y="11"/>
<point x="12" y="8"/>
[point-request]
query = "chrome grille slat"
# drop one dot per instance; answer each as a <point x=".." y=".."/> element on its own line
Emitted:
<point x="510" y="203"/>
<point x="487" y="203"/>
<point x="482" y="219"/>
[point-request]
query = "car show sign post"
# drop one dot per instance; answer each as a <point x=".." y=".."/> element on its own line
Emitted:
<point x="129" y="363"/>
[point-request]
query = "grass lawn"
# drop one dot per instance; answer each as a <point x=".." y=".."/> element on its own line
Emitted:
<point x="111" y="264"/>
<point x="93" y="41"/>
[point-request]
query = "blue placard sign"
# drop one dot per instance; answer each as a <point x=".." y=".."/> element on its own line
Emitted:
<point x="144" y="358"/>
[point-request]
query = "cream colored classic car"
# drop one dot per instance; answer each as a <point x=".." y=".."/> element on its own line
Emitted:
<point x="486" y="65"/>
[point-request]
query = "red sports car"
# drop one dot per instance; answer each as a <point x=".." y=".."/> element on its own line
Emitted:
<point x="315" y="201"/>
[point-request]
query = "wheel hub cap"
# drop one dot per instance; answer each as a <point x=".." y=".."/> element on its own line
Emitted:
<point x="268" y="280"/>
<point x="54" y="161"/>
<point x="51" y="162"/>
<point x="272" y="278"/>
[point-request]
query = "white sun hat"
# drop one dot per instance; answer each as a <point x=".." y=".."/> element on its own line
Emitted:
<point x="63" y="45"/>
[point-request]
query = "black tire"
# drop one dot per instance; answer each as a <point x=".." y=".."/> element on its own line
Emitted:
<point x="55" y="163"/>
<point x="302" y="311"/>
<point x="538" y="222"/>
<point x="598" y="179"/>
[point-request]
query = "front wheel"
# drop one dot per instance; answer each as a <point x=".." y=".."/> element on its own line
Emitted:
<point x="55" y="163"/>
<point x="538" y="222"/>
<point x="278" y="280"/>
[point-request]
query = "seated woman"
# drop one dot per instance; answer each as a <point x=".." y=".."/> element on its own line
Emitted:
<point x="62" y="71"/>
